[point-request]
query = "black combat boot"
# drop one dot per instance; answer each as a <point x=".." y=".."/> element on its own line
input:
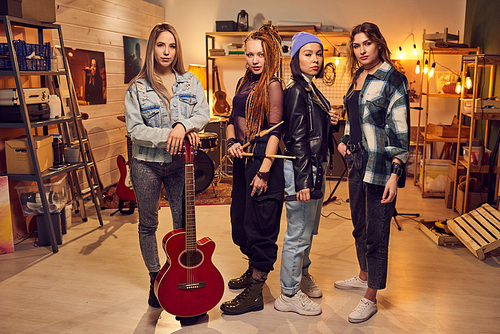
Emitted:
<point x="153" y="301"/>
<point x="243" y="281"/>
<point x="247" y="301"/>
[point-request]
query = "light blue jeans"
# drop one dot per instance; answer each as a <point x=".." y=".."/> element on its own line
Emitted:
<point x="302" y="223"/>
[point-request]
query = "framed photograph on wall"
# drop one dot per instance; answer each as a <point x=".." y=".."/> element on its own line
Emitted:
<point x="134" y="51"/>
<point x="88" y="71"/>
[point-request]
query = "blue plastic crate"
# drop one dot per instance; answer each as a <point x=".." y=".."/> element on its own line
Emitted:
<point x="30" y="57"/>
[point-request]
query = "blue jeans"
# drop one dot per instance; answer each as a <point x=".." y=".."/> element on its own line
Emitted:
<point x="147" y="178"/>
<point x="302" y="223"/>
<point x="371" y="220"/>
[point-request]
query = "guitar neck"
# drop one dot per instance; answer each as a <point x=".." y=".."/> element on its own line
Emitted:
<point x="190" y="213"/>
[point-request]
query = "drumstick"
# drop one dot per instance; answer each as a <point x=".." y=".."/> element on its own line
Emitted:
<point x="277" y="156"/>
<point x="261" y="134"/>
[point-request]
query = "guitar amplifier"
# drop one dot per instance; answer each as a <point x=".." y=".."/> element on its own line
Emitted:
<point x="36" y="112"/>
<point x="9" y="97"/>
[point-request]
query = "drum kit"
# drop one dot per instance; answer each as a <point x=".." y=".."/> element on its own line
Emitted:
<point x="204" y="167"/>
<point x="204" y="170"/>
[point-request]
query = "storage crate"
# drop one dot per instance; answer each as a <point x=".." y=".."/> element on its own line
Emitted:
<point x="31" y="203"/>
<point x="30" y="57"/>
<point x="436" y="171"/>
<point x="441" y="239"/>
<point x="447" y="131"/>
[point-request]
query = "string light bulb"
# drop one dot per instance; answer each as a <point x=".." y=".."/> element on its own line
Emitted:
<point x="426" y="66"/>
<point x="337" y="61"/>
<point x="458" y="87"/>
<point x="401" y="53"/>
<point x="415" y="50"/>
<point x="431" y="72"/>
<point x="417" y="68"/>
<point x="468" y="80"/>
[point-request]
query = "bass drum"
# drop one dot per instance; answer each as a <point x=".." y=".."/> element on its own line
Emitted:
<point x="203" y="171"/>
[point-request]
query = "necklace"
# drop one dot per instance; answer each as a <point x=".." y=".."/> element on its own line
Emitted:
<point x="368" y="69"/>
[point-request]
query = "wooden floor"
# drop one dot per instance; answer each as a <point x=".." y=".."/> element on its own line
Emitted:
<point x="97" y="283"/>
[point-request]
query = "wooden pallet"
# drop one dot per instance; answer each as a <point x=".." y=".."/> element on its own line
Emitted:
<point x="479" y="230"/>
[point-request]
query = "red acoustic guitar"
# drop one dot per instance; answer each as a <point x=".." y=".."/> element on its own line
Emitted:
<point x="189" y="284"/>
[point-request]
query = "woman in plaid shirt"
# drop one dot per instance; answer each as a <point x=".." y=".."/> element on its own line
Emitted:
<point x="375" y="145"/>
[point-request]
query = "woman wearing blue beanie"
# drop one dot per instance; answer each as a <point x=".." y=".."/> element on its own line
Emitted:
<point x="375" y="146"/>
<point x="308" y="135"/>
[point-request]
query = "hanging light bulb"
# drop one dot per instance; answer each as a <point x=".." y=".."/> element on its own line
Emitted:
<point x="458" y="87"/>
<point x="431" y="72"/>
<point x="417" y="68"/>
<point x="337" y="62"/>
<point x="415" y="50"/>
<point x="401" y="53"/>
<point x="426" y="66"/>
<point x="468" y="81"/>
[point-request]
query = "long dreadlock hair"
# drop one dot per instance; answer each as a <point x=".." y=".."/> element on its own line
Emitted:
<point x="257" y="107"/>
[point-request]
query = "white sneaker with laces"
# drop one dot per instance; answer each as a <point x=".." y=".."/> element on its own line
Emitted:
<point x="309" y="287"/>
<point x="364" y="311"/>
<point x="299" y="303"/>
<point x="351" y="283"/>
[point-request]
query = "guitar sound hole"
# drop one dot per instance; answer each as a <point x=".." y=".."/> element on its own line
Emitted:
<point x="191" y="258"/>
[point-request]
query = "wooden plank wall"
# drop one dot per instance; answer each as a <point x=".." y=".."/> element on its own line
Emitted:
<point x="99" y="25"/>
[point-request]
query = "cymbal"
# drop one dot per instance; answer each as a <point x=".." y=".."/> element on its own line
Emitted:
<point x="121" y="118"/>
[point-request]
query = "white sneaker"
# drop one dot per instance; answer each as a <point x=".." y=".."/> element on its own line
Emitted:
<point x="364" y="311"/>
<point x="309" y="287"/>
<point x="299" y="303"/>
<point x="351" y="283"/>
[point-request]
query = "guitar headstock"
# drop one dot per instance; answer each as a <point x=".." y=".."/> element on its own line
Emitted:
<point x="188" y="152"/>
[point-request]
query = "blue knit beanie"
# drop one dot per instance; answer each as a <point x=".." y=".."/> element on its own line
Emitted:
<point x="302" y="38"/>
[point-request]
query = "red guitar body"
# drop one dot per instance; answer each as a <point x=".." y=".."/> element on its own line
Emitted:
<point x="124" y="191"/>
<point x="188" y="284"/>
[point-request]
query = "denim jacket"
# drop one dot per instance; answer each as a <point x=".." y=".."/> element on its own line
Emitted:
<point x="149" y="122"/>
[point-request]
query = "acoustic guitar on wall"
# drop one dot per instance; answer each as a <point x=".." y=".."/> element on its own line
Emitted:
<point x="221" y="106"/>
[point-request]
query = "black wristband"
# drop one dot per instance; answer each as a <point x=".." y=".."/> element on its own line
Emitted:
<point x="231" y="142"/>
<point x="263" y="175"/>
<point x="397" y="169"/>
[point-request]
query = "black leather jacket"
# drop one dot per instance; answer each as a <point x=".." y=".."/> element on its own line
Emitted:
<point x="308" y="133"/>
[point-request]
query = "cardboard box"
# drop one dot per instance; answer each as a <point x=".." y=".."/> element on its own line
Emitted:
<point x="11" y="7"/>
<point x="448" y="192"/>
<point x="40" y="10"/>
<point x="447" y="131"/>
<point x="474" y="200"/>
<point x="19" y="158"/>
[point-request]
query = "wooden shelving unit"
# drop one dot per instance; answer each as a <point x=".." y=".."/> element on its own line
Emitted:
<point x="474" y="63"/>
<point x="427" y="137"/>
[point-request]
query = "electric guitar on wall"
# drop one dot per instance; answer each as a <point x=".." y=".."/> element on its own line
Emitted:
<point x="189" y="284"/>
<point x="221" y="106"/>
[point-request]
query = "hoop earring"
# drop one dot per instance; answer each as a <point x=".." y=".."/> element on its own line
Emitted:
<point x="246" y="66"/>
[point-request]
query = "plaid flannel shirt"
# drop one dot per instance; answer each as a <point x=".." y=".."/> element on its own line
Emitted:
<point x="384" y="119"/>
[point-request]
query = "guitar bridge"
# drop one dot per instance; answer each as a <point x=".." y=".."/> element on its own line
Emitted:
<point x="191" y="286"/>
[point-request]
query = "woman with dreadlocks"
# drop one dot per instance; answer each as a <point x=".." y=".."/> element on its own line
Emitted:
<point x="258" y="181"/>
